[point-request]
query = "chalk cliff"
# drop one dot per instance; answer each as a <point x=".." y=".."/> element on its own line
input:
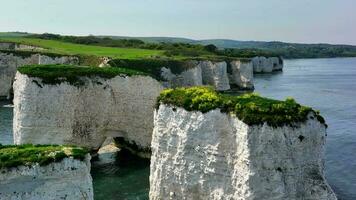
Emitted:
<point x="217" y="156"/>
<point x="9" y="62"/>
<point x="262" y="64"/>
<point x="241" y="75"/>
<point x="215" y="74"/>
<point x="84" y="115"/>
<point x="69" y="179"/>
<point x="189" y="77"/>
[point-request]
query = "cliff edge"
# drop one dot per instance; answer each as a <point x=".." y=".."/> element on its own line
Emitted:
<point x="209" y="146"/>
<point x="45" y="173"/>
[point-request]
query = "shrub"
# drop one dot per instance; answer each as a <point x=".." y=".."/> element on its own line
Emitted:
<point x="250" y="108"/>
<point x="28" y="154"/>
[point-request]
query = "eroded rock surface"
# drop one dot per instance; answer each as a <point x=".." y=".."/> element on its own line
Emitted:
<point x="215" y="74"/>
<point x="85" y="115"/>
<point x="242" y="74"/>
<point x="190" y="77"/>
<point x="267" y="65"/>
<point x="69" y="179"/>
<point x="217" y="156"/>
<point x="10" y="62"/>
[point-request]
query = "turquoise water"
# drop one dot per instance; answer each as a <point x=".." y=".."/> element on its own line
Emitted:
<point x="328" y="85"/>
<point x="127" y="179"/>
<point x="6" y="115"/>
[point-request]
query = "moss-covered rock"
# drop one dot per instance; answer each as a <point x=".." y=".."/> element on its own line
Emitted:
<point x="250" y="108"/>
<point x="56" y="74"/>
<point x="153" y="66"/>
<point x="28" y="154"/>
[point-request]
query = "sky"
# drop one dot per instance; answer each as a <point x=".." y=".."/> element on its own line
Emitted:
<point x="303" y="21"/>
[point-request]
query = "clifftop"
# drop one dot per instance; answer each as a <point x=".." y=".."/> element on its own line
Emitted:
<point x="250" y="108"/>
<point x="27" y="154"/>
<point x="55" y="74"/>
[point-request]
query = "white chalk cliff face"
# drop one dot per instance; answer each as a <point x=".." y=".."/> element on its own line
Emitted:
<point x="212" y="73"/>
<point x="267" y="65"/>
<point x="215" y="74"/>
<point x="84" y="115"/>
<point x="241" y="74"/>
<point x="190" y="77"/>
<point x="10" y="62"/>
<point x="69" y="179"/>
<point x="217" y="156"/>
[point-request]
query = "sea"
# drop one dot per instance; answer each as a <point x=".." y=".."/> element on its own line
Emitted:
<point x="328" y="85"/>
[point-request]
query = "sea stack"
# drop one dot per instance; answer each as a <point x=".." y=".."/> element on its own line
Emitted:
<point x="45" y="173"/>
<point x="208" y="146"/>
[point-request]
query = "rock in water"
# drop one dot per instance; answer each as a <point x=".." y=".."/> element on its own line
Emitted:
<point x="215" y="74"/>
<point x="69" y="179"/>
<point x="217" y="156"/>
<point x="84" y="114"/>
<point x="267" y="65"/>
<point x="242" y="74"/>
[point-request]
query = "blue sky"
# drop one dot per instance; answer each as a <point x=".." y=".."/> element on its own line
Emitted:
<point x="310" y="21"/>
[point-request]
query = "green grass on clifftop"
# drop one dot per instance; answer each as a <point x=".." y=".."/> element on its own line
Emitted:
<point x="56" y="74"/>
<point x="66" y="48"/>
<point x="28" y="154"/>
<point x="250" y="108"/>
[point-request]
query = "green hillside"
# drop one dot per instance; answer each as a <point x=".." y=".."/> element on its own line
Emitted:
<point x="58" y="47"/>
<point x="174" y="48"/>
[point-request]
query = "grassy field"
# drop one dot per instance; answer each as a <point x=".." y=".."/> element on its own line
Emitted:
<point x="13" y="34"/>
<point x="58" y="47"/>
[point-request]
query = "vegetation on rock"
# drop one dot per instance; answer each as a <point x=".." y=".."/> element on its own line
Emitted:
<point x="152" y="66"/>
<point x="28" y="154"/>
<point x="250" y="108"/>
<point x="56" y="74"/>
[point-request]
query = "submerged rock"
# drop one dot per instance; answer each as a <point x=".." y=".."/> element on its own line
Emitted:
<point x="215" y="155"/>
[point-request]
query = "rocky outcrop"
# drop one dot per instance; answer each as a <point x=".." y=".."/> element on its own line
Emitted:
<point x="86" y="114"/>
<point x="18" y="47"/>
<point x="217" y="156"/>
<point x="9" y="62"/>
<point x="69" y="179"/>
<point x="215" y="74"/>
<point x="190" y="77"/>
<point x="241" y="75"/>
<point x="267" y="65"/>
